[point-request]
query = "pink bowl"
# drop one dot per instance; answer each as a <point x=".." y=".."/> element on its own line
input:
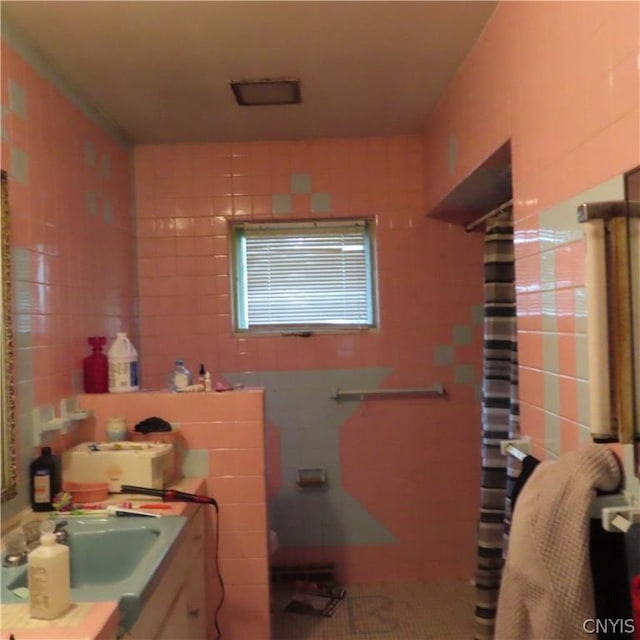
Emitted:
<point x="87" y="491"/>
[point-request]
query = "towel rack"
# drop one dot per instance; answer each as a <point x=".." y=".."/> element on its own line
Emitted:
<point x="519" y="448"/>
<point x="361" y="394"/>
<point x="614" y="509"/>
<point x="620" y="518"/>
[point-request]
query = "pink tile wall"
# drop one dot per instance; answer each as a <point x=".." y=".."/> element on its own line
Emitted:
<point x="184" y="253"/>
<point x="429" y="277"/>
<point x="561" y="81"/>
<point x="72" y="237"/>
<point x="228" y="428"/>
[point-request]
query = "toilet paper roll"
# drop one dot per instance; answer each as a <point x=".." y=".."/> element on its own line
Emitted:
<point x="313" y="477"/>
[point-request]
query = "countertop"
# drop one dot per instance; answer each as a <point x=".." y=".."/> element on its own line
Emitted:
<point x="87" y="620"/>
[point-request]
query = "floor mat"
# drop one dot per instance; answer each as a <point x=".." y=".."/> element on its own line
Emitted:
<point x="442" y="610"/>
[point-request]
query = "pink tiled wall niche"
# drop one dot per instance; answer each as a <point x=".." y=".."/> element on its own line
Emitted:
<point x="562" y="82"/>
<point x="386" y="461"/>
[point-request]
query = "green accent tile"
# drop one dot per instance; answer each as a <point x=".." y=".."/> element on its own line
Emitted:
<point x="281" y="203"/>
<point x="21" y="269"/>
<point x="463" y="374"/>
<point x="584" y="435"/>
<point x="19" y="165"/>
<point x="580" y="309"/>
<point x="462" y="335"/>
<point x="559" y="224"/>
<point x="300" y="183"/>
<point x="582" y="356"/>
<point x="89" y="153"/>
<point x="107" y="212"/>
<point x="550" y="352"/>
<point x="549" y="316"/>
<point x="92" y="203"/>
<point x="4" y="134"/>
<point x="612" y="189"/>
<point x="583" y="404"/>
<point x="22" y="325"/>
<point x="551" y="392"/>
<point x="195" y="463"/>
<point x="24" y="364"/>
<point x="552" y="432"/>
<point x="17" y="101"/>
<point x="443" y="354"/>
<point x="320" y="202"/>
<point x="105" y="167"/>
<point x="478" y="390"/>
<point x="477" y="314"/>
<point x="548" y="271"/>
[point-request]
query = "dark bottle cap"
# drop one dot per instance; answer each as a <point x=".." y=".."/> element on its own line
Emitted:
<point x="46" y="451"/>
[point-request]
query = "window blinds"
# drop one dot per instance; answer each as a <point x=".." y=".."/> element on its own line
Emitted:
<point x="304" y="274"/>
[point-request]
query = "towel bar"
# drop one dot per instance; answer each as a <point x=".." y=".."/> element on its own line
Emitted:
<point x="619" y="518"/>
<point x="344" y="394"/>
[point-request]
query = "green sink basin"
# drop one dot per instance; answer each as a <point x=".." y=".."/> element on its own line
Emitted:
<point x="112" y="558"/>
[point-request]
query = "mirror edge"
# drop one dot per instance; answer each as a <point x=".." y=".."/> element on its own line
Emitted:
<point x="9" y="470"/>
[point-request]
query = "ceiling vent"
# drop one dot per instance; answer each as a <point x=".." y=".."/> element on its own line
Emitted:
<point x="266" y="91"/>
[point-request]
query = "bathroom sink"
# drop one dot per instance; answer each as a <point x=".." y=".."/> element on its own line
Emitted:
<point x="112" y="558"/>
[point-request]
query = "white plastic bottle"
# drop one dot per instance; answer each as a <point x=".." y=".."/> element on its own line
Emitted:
<point x="180" y="377"/>
<point x="49" y="576"/>
<point x="123" y="365"/>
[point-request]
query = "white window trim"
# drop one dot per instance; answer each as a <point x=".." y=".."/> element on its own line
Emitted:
<point x="239" y="278"/>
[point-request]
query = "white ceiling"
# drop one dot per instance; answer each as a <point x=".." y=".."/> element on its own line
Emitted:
<point x="160" y="70"/>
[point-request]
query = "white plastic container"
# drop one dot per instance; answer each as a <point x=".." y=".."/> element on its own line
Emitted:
<point x="123" y="365"/>
<point x="116" y="429"/>
<point x="49" y="576"/>
<point x="143" y="464"/>
<point x="180" y="378"/>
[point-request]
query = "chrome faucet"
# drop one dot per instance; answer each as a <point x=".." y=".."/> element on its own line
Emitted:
<point x="20" y="543"/>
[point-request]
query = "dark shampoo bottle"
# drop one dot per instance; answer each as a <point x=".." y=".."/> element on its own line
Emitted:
<point x="45" y="480"/>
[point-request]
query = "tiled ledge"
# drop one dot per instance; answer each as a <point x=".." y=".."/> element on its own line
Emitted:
<point x="244" y="405"/>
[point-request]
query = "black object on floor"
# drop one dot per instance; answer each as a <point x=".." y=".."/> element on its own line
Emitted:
<point x="288" y="574"/>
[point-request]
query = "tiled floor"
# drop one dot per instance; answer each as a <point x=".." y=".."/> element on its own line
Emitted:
<point x="415" y="611"/>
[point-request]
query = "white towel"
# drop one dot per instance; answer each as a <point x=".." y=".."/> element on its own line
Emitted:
<point x="546" y="591"/>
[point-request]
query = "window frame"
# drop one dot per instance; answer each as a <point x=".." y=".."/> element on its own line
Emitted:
<point x="238" y="293"/>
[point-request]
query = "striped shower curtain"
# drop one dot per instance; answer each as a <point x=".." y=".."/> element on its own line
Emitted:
<point x="499" y="416"/>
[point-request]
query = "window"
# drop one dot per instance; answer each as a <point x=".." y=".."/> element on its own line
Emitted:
<point x="303" y="276"/>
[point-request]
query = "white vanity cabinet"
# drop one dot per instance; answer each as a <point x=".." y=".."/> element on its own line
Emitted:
<point x="176" y="609"/>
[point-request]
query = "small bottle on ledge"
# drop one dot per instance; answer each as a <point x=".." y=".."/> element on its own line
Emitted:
<point x="180" y="377"/>
<point x="96" y="367"/>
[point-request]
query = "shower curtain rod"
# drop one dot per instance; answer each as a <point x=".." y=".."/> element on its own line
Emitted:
<point x="472" y="225"/>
